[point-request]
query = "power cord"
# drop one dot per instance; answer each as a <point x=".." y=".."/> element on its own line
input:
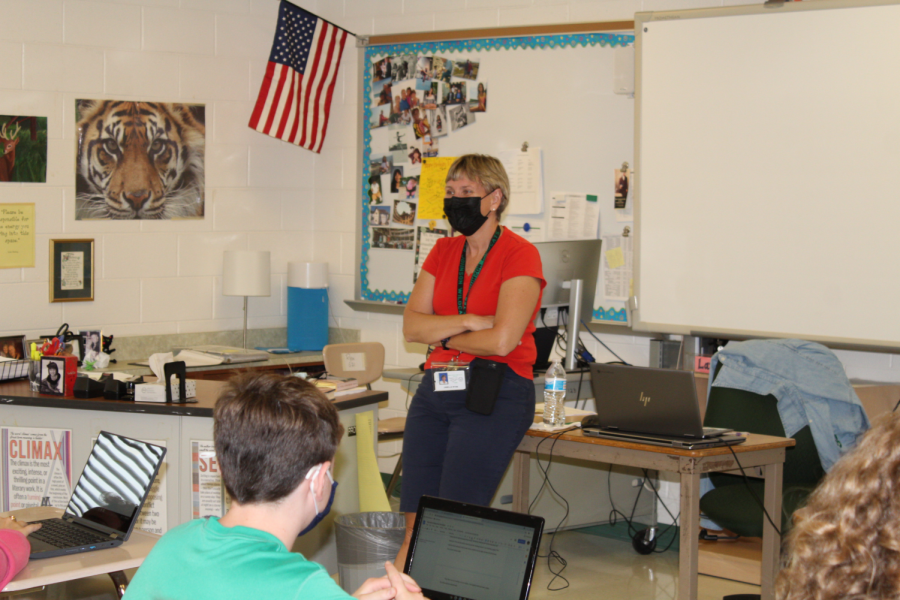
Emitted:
<point x="753" y="493"/>
<point x="551" y="553"/>
<point x="660" y="500"/>
<point x="632" y="530"/>
<point x="593" y="335"/>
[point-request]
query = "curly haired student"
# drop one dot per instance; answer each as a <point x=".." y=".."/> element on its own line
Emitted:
<point x="845" y="543"/>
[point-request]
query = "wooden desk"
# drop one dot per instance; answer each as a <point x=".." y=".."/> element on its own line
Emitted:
<point x="758" y="451"/>
<point x="112" y="561"/>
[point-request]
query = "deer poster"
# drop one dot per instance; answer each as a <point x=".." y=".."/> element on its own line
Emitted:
<point x="23" y="143"/>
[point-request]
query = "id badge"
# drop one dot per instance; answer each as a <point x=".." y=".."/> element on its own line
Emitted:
<point x="449" y="376"/>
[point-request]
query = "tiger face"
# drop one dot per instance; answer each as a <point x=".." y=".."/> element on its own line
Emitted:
<point x="139" y="160"/>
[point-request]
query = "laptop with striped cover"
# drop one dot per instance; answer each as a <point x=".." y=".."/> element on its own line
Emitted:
<point x="106" y="500"/>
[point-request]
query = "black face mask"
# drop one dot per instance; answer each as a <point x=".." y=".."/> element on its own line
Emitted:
<point x="464" y="214"/>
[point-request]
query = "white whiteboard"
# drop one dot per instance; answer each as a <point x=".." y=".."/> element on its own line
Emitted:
<point x="768" y="183"/>
<point x="552" y="92"/>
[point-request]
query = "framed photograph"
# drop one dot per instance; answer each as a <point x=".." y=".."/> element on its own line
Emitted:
<point x="71" y="270"/>
<point x="91" y="342"/>
<point x="12" y="346"/>
<point x="53" y="375"/>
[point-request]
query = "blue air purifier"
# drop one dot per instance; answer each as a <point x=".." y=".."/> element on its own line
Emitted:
<point x="307" y="308"/>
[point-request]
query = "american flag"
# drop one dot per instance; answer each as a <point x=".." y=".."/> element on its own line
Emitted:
<point x="295" y="97"/>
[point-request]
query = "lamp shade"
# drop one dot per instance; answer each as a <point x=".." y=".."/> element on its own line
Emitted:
<point x="247" y="273"/>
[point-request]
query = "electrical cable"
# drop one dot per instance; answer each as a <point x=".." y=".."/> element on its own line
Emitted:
<point x="551" y="553"/>
<point x="671" y="516"/>
<point x="586" y="328"/>
<point x="632" y="530"/>
<point x="753" y="493"/>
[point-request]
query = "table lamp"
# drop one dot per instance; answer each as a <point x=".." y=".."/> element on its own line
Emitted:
<point x="247" y="273"/>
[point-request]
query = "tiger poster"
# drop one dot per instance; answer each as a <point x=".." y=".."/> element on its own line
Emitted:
<point x="139" y="160"/>
<point x="23" y="149"/>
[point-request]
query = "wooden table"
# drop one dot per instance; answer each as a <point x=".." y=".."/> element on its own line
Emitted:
<point x="111" y="561"/>
<point x="758" y="451"/>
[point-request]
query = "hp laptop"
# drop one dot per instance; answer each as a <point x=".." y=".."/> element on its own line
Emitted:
<point x="106" y="500"/>
<point x="652" y="406"/>
<point x="462" y="551"/>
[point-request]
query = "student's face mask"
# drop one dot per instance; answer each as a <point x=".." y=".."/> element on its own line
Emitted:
<point x="319" y="515"/>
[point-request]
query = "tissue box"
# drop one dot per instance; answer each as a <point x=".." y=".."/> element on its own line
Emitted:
<point x="156" y="392"/>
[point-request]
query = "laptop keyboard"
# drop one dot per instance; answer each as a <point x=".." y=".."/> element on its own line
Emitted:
<point x="63" y="535"/>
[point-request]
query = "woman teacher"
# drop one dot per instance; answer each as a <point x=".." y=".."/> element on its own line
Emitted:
<point x="475" y="301"/>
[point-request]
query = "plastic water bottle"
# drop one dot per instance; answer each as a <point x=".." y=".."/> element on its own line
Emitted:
<point x="555" y="395"/>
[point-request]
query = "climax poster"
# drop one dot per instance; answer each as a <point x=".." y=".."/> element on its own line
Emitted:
<point x="37" y="467"/>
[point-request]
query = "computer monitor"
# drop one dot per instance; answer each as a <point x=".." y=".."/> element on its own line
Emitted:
<point x="567" y="260"/>
<point x="564" y="262"/>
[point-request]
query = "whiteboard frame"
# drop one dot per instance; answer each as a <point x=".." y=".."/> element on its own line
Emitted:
<point x="638" y="322"/>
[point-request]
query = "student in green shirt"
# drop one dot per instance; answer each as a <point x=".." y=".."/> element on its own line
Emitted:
<point x="275" y="438"/>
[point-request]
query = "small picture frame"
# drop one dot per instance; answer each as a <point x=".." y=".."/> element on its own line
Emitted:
<point x="92" y="344"/>
<point x="13" y="347"/>
<point x="71" y="270"/>
<point x="53" y="375"/>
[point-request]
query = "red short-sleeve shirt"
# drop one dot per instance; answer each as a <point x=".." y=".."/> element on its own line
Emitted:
<point x="512" y="256"/>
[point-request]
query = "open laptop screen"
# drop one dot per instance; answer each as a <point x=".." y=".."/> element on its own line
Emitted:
<point x="115" y="481"/>
<point x="462" y="551"/>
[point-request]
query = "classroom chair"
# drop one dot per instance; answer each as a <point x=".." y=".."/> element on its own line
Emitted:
<point x="731" y="504"/>
<point x="367" y="365"/>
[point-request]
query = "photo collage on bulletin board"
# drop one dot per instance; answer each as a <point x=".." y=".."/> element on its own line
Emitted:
<point x="416" y="100"/>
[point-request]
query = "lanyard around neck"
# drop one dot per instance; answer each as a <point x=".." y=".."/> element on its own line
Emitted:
<point x="462" y="303"/>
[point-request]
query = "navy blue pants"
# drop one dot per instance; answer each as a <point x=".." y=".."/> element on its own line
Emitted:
<point x="451" y="452"/>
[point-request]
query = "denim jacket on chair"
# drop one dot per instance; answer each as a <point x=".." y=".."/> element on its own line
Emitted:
<point x="809" y="383"/>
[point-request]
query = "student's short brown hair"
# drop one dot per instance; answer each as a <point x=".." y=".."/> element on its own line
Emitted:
<point x="269" y="431"/>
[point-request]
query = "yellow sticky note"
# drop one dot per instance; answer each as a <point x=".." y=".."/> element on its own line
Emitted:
<point x="431" y="187"/>
<point x="16" y="236"/>
<point x="372" y="497"/>
<point x="615" y="258"/>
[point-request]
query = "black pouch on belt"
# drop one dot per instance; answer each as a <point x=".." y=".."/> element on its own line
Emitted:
<point x="485" y="380"/>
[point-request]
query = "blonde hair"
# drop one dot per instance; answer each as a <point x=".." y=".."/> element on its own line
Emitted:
<point x="845" y="543"/>
<point x="485" y="170"/>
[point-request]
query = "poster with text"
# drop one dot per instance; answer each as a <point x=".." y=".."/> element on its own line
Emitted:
<point x="37" y="467"/>
<point x="208" y="496"/>
<point x="16" y="235"/>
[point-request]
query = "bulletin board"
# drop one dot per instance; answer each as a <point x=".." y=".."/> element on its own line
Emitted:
<point x="552" y="92"/>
